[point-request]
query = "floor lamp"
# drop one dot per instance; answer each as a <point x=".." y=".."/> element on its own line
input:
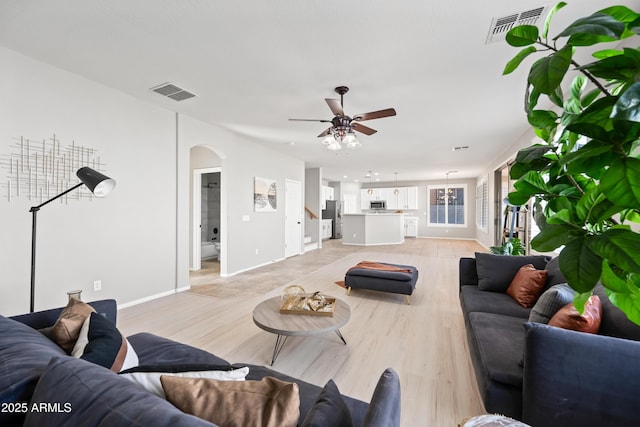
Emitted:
<point x="99" y="185"/>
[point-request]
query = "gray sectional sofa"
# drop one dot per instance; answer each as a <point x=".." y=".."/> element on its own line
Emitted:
<point x="41" y="385"/>
<point x="543" y="375"/>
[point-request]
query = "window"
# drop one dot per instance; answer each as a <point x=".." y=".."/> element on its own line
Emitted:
<point x="447" y="205"/>
<point x="482" y="205"/>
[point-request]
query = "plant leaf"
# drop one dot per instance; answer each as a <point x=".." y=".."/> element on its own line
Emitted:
<point x="552" y="236"/>
<point x="621" y="183"/>
<point x="594" y="206"/>
<point x="620" y="247"/>
<point x="580" y="300"/>
<point x="522" y="35"/>
<point x="531" y="183"/>
<point x="628" y="105"/>
<point x="622" y="293"/>
<point x="577" y="86"/>
<point x="547" y="21"/>
<point x="606" y="53"/>
<point x="534" y="152"/>
<point x="560" y="217"/>
<point x="591" y="149"/>
<point x="593" y="29"/>
<point x="618" y="67"/>
<point x="517" y="60"/>
<point x="543" y="119"/>
<point x="580" y="265"/>
<point x="547" y="73"/>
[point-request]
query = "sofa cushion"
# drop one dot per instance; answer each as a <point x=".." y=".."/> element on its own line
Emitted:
<point x="153" y="350"/>
<point x="309" y="393"/>
<point x="66" y="330"/>
<point x="329" y="409"/>
<point x="495" y="272"/>
<point x="24" y="355"/>
<point x="554" y="275"/>
<point x="527" y="285"/>
<point x="568" y="317"/>
<point x="100" y="342"/>
<point x="552" y="300"/>
<point x="90" y="395"/>
<point x="149" y="377"/>
<point x="384" y="408"/>
<point x="474" y="299"/>
<point x="499" y="343"/>
<point x="269" y="402"/>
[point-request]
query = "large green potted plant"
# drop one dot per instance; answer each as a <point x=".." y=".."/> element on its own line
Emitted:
<point x="585" y="176"/>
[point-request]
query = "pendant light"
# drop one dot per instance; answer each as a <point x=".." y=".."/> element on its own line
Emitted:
<point x="370" y="190"/>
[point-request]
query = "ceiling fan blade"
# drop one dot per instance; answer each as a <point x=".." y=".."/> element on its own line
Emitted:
<point x="310" y="120"/>
<point x="375" y="115"/>
<point x="335" y="107"/>
<point x="325" y="133"/>
<point x="363" y="129"/>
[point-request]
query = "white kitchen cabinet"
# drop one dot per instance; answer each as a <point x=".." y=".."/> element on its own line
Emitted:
<point x="411" y="199"/>
<point x="406" y="199"/>
<point x="327" y="226"/>
<point x="411" y="226"/>
<point x="327" y="193"/>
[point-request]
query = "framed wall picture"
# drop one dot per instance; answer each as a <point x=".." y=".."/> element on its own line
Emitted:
<point x="265" y="195"/>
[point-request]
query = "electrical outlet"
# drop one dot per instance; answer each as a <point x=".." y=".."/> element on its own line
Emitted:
<point x="257" y="252"/>
<point x="97" y="285"/>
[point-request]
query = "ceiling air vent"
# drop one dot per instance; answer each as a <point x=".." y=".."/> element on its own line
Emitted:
<point x="172" y="91"/>
<point x="501" y="26"/>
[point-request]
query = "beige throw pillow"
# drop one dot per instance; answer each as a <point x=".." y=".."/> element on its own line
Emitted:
<point x="269" y="402"/>
<point x="66" y="330"/>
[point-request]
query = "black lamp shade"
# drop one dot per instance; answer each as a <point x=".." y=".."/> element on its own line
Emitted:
<point x="99" y="184"/>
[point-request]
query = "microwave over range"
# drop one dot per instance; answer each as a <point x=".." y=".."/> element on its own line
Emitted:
<point x="378" y="205"/>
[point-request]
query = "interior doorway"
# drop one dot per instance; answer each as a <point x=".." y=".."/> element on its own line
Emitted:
<point x="207" y="222"/>
<point x="510" y="221"/>
<point x="293" y="218"/>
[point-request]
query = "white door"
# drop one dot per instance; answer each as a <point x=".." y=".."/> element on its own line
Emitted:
<point x="293" y="218"/>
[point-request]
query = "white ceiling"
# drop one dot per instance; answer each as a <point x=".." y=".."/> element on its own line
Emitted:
<point x="255" y="63"/>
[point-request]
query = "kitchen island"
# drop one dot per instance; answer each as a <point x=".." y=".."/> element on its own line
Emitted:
<point x="373" y="229"/>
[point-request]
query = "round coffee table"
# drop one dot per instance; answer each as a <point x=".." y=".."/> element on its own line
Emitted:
<point x="267" y="316"/>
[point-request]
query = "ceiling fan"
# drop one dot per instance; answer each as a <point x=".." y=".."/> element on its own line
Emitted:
<point x="342" y="126"/>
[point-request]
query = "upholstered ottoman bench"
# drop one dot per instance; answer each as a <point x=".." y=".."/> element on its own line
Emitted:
<point x="384" y="277"/>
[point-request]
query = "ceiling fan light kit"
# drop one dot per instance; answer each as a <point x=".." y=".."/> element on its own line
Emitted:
<point x="342" y="126"/>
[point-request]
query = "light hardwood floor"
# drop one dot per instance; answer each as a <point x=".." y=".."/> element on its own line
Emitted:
<point x="424" y="342"/>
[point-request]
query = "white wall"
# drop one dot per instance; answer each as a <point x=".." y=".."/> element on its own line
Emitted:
<point x="137" y="239"/>
<point x="260" y="240"/>
<point x="127" y="239"/>
<point x="487" y="237"/>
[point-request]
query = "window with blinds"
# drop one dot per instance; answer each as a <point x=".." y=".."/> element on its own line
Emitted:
<point x="447" y="205"/>
<point x="482" y="205"/>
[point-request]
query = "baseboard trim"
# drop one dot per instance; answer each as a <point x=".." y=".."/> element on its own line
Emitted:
<point x="152" y="297"/>
<point x="251" y="268"/>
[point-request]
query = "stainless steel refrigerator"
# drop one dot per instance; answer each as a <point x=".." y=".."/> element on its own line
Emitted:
<point x="334" y="212"/>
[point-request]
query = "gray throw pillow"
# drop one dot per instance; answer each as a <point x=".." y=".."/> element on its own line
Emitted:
<point x="552" y="300"/>
<point x="554" y="275"/>
<point x="495" y="272"/>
